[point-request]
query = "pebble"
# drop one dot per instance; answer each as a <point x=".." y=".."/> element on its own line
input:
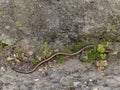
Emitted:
<point x="56" y="85"/>
<point x="90" y="80"/>
<point x="3" y="67"/>
<point x="67" y="81"/>
<point x="55" y="77"/>
<point x="36" y="80"/>
<point x="7" y="27"/>
<point x="30" y="53"/>
<point x="51" y="65"/>
<point x="76" y="84"/>
<point x="100" y="88"/>
<point x="40" y="69"/>
<point x="44" y="74"/>
<point x="95" y="88"/>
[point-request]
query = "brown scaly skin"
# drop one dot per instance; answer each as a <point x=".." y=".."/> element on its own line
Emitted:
<point x="48" y="59"/>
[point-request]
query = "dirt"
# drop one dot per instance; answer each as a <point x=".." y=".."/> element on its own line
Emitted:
<point x="71" y="74"/>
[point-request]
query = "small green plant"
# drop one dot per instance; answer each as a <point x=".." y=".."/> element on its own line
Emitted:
<point x="60" y="58"/>
<point x="103" y="55"/>
<point x="3" y="44"/>
<point x="17" y="54"/>
<point x="100" y="48"/>
<point x="46" y="52"/>
<point x="34" y="62"/>
<point x="97" y="52"/>
<point x="93" y="54"/>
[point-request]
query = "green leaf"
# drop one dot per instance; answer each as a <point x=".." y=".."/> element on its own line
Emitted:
<point x="101" y="48"/>
<point x="34" y="62"/>
<point x="92" y="55"/>
<point x="39" y="57"/>
<point x="45" y="44"/>
<point x="103" y="56"/>
<point x="107" y="44"/>
<point x="10" y="58"/>
<point x="60" y="58"/>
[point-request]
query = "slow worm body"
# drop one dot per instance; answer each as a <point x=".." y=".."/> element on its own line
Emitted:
<point x="49" y="58"/>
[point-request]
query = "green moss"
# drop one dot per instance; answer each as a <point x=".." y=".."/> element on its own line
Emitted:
<point x="95" y="53"/>
<point x="60" y="58"/>
<point x="45" y="53"/>
<point x="34" y="62"/>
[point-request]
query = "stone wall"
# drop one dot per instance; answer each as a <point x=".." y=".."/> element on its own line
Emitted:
<point x="58" y="22"/>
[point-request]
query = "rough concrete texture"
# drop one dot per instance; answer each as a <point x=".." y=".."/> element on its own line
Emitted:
<point x="30" y="23"/>
<point x="58" y="22"/>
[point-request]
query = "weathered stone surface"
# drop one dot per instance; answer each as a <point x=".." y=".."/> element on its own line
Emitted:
<point x="1" y="84"/>
<point x="58" y="22"/>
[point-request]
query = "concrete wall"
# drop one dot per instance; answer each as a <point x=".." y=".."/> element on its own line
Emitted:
<point x="58" y="22"/>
